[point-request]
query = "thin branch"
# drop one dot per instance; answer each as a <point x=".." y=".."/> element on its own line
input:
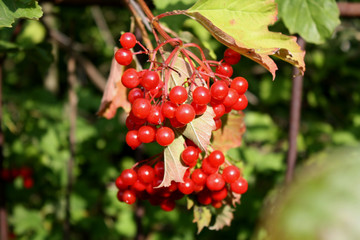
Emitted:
<point x="102" y="25"/>
<point x="295" y="115"/>
<point x="349" y="9"/>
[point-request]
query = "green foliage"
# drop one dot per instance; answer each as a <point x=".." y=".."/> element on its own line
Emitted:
<point x="314" y="20"/>
<point x="10" y="10"/>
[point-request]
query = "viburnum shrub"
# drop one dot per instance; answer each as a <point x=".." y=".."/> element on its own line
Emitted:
<point x="193" y="107"/>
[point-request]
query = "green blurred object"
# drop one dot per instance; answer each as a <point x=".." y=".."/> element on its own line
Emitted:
<point x="321" y="204"/>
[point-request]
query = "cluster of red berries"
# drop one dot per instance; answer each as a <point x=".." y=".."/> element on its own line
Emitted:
<point x="24" y="172"/>
<point x="157" y="110"/>
<point x="211" y="183"/>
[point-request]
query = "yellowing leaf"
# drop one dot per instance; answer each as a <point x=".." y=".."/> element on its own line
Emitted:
<point x="202" y="217"/>
<point x="243" y="26"/>
<point x="174" y="169"/>
<point x="223" y="218"/>
<point x="230" y="135"/>
<point x="199" y="130"/>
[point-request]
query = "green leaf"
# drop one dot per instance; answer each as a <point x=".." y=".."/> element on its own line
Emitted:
<point x="10" y="10"/>
<point x="243" y="26"/>
<point x="314" y="20"/>
<point x="199" y="130"/>
<point x="202" y="217"/>
<point x="174" y="169"/>
<point x="223" y="218"/>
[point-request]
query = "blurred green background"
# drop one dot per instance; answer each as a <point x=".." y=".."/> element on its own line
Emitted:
<point x="36" y="125"/>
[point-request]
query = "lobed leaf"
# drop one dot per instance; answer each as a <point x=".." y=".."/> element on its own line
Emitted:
<point x="10" y="10"/>
<point x="199" y="130"/>
<point x="243" y="27"/>
<point x="223" y="218"/>
<point x="314" y="20"/>
<point x="202" y="217"/>
<point x="230" y="135"/>
<point x="174" y="169"/>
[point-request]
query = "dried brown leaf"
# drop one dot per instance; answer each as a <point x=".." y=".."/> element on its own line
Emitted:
<point x="202" y="217"/>
<point x="223" y="218"/>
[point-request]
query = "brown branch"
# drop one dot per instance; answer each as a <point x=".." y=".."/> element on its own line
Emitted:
<point x="295" y="115"/>
<point x="102" y="25"/>
<point x="349" y="9"/>
<point x="4" y="234"/>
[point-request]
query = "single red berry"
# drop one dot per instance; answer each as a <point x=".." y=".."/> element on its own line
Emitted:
<point x="185" y="113"/>
<point x="216" y="158"/>
<point x="178" y="94"/>
<point x="240" y="85"/>
<point x="120" y="184"/>
<point x="186" y="187"/>
<point x="207" y="167"/>
<point x="123" y="56"/>
<point x="167" y="205"/>
<point x="231" y="173"/>
<point x="215" y="182"/>
<point x="141" y="108"/>
<point x="28" y="182"/>
<point x="219" y="110"/>
<point x="199" y="109"/>
<point x="138" y="121"/>
<point x="159" y="169"/>
<point x="155" y="116"/>
<point x="157" y="91"/>
<point x="175" y="123"/>
<point x="231" y="57"/>
<point x="198" y="188"/>
<point x="146" y="174"/>
<point x="204" y="197"/>
<point x="231" y="98"/>
<point x="128" y="40"/>
<point x="241" y="103"/>
<point x="138" y="186"/>
<point x="128" y="176"/>
<point x="240" y="186"/>
<point x="219" y="90"/>
<point x="219" y="195"/>
<point x="129" y="196"/>
<point x="224" y="69"/>
<point x="146" y="134"/>
<point x="201" y="96"/>
<point x="165" y="136"/>
<point x="190" y="155"/>
<point x="168" y="109"/>
<point x="218" y="124"/>
<point x="120" y="195"/>
<point x="216" y="204"/>
<point x="130" y="78"/>
<point x="134" y="94"/>
<point x="199" y="177"/>
<point x="150" y="80"/>
<point x="132" y="139"/>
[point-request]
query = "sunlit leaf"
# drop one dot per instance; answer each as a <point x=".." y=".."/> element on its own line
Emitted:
<point x="223" y="218"/>
<point x="243" y="26"/>
<point x="202" y="217"/>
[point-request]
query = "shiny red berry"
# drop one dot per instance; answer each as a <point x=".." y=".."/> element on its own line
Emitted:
<point x="128" y="40"/>
<point x="123" y="56"/>
<point x="165" y="136"/>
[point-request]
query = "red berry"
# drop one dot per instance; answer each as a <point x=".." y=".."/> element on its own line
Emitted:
<point x="219" y="110"/>
<point x="128" y="40"/>
<point x="129" y="196"/>
<point x="190" y="155"/>
<point x="199" y="177"/>
<point x="186" y="187"/>
<point x="146" y="174"/>
<point x="28" y="182"/>
<point x="199" y="109"/>
<point x="241" y="103"/>
<point x="138" y="186"/>
<point x="132" y="139"/>
<point x="207" y="167"/>
<point x="168" y="109"/>
<point x="231" y="98"/>
<point x="128" y="176"/>
<point x="146" y="134"/>
<point x="150" y="80"/>
<point x="216" y="158"/>
<point x="134" y="94"/>
<point x="25" y="172"/>
<point x="175" y="123"/>
<point x="198" y="188"/>
<point x="224" y="69"/>
<point x="219" y="90"/>
<point x="231" y="173"/>
<point x="216" y="204"/>
<point x="219" y="195"/>
<point x="130" y="78"/>
<point x="240" y="186"/>
<point x="185" y="113"/>
<point x="201" y="96"/>
<point x="215" y="182"/>
<point x="165" y="136"/>
<point x="218" y="124"/>
<point x="123" y="56"/>
<point x="204" y="197"/>
<point x="155" y="116"/>
<point x="141" y="108"/>
<point x="157" y="91"/>
<point x="119" y="195"/>
<point x="178" y="94"/>
<point x="167" y="205"/>
<point x="159" y="169"/>
<point x="120" y="184"/>
<point x="240" y="85"/>
<point x="231" y="57"/>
